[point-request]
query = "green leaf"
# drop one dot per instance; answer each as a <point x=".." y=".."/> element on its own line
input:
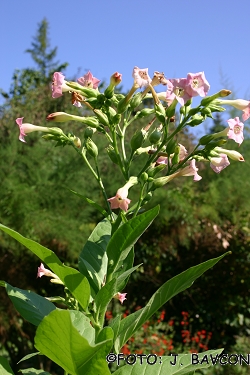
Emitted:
<point x="30" y="305"/>
<point x="5" y="368"/>
<point x="126" y="265"/>
<point x="72" y="279"/>
<point x="169" y="365"/>
<point x="171" y="288"/>
<point x="93" y="258"/>
<point x="92" y="203"/>
<point x="125" y="237"/>
<point x="59" y="340"/>
<point x="33" y="371"/>
<point x="28" y="356"/>
<point x="82" y="324"/>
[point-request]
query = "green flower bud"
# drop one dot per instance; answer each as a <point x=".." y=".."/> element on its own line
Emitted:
<point x="145" y="112"/>
<point x="205" y="139"/>
<point x="176" y="158"/>
<point x="161" y="181"/>
<point x="160" y="113"/>
<point x="196" y="120"/>
<point x="88" y="133"/>
<point x="91" y="121"/>
<point x="122" y="105"/>
<point x="138" y="139"/>
<point x="152" y="171"/>
<point x="91" y="148"/>
<point x="220" y="94"/>
<point x="147" y="198"/>
<point x="102" y="117"/>
<point x="170" y="147"/>
<point x="111" y="153"/>
<point x="144" y="177"/>
<point x="136" y="100"/>
<point x="155" y="137"/>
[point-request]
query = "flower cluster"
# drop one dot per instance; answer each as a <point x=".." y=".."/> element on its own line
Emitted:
<point x="113" y="113"/>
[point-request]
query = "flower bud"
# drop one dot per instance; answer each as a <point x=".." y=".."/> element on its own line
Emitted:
<point x="176" y="157"/>
<point x="196" y="120"/>
<point x="161" y="181"/>
<point x="147" y="198"/>
<point x="111" y="153"/>
<point x="115" y="79"/>
<point x="152" y="171"/>
<point x="136" y="100"/>
<point x="155" y="136"/>
<point x="160" y="112"/>
<point x="206" y="139"/>
<point x="145" y="112"/>
<point x="77" y="142"/>
<point x="138" y="139"/>
<point x="144" y="177"/>
<point x="88" y="133"/>
<point x="170" y="147"/>
<point x="102" y="117"/>
<point x="91" y="148"/>
<point x="122" y="105"/>
<point x="88" y="92"/>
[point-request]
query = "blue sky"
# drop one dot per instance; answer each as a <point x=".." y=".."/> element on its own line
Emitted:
<point x="176" y="37"/>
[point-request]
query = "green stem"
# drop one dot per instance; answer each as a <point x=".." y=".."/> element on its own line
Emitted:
<point x="99" y="180"/>
<point x="139" y="201"/>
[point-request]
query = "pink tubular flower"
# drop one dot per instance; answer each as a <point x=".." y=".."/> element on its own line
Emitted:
<point x="59" y="85"/>
<point x="121" y="297"/>
<point x="197" y="84"/>
<point x="120" y="200"/>
<point x="218" y="163"/>
<point x="88" y="80"/>
<point x="190" y="170"/>
<point x="141" y="77"/>
<point x="28" y="128"/>
<point x="235" y="130"/>
<point x="177" y="89"/>
<point x="42" y="271"/>
<point x="243" y="105"/>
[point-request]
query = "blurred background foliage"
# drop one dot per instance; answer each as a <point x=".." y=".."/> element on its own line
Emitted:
<point x="197" y="221"/>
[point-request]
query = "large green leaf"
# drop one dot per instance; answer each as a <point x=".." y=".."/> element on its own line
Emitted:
<point x="5" y="367"/>
<point x="171" y="365"/>
<point x="58" y="339"/>
<point x="30" y="305"/>
<point x="171" y="288"/>
<point x="125" y="237"/>
<point x="72" y="279"/>
<point x="93" y="258"/>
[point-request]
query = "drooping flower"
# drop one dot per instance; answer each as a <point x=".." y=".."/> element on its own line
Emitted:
<point x="197" y="84"/>
<point x="121" y="297"/>
<point x="28" y="128"/>
<point x="141" y="77"/>
<point x="59" y="85"/>
<point x="88" y="80"/>
<point x="190" y="170"/>
<point x="120" y="200"/>
<point x="177" y="90"/>
<point x="243" y="105"/>
<point x="42" y="271"/>
<point x="218" y="163"/>
<point x="235" y="130"/>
